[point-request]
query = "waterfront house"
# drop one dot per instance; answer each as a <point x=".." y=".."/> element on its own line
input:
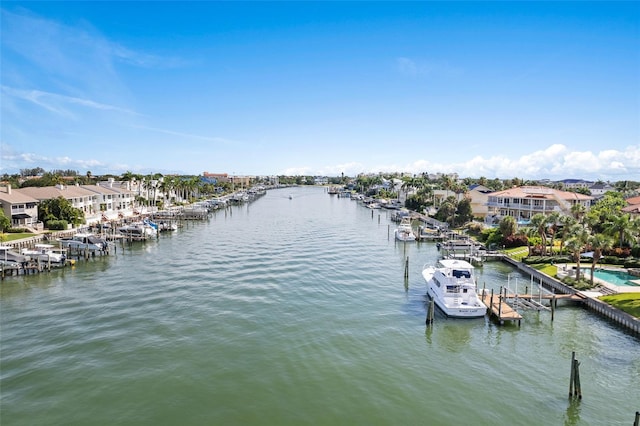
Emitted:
<point x="633" y="206"/>
<point x="111" y="202"/>
<point x="524" y="202"/>
<point x="478" y="195"/>
<point x="21" y="208"/>
<point x="78" y="197"/>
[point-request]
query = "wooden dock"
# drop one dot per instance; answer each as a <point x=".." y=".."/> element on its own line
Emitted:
<point x="499" y="309"/>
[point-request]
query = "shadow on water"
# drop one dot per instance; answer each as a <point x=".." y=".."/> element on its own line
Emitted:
<point x="572" y="415"/>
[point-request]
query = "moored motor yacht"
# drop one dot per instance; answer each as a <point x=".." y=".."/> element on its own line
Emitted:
<point x="82" y="241"/>
<point x="451" y="284"/>
<point x="45" y="253"/>
<point x="404" y="231"/>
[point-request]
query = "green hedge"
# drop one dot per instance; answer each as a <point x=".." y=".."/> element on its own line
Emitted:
<point x="583" y="284"/>
<point x="17" y="230"/>
<point x="57" y="225"/>
<point x="529" y="260"/>
<point x="632" y="263"/>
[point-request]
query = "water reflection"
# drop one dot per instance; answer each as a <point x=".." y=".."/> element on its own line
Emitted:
<point x="572" y="415"/>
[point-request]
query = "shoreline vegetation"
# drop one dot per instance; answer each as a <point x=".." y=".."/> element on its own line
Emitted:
<point x="626" y="302"/>
<point x="603" y="229"/>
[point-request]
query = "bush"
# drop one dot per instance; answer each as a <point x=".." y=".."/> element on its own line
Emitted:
<point x="581" y="284"/>
<point x="530" y="260"/>
<point x="632" y="263"/>
<point x="612" y="260"/>
<point x="17" y="230"/>
<point x="57" y="225"/>
<point x="619" y="252"/>
<point x="514" y="241"/>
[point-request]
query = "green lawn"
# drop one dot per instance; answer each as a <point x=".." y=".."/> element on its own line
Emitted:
<point x="546" y="268"/>
<point x="627" y="302"/>
<point x="17" y="236"/>
<point x="517" y="253"/>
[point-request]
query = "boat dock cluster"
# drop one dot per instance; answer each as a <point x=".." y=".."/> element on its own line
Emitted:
<point x="455" y="295"/>
<point x="45" y="252"/>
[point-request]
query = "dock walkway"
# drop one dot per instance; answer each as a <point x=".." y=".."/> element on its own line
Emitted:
<point x="499" y="308"/>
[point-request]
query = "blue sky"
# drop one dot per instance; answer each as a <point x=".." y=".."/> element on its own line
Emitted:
<point x="496" y="89"/>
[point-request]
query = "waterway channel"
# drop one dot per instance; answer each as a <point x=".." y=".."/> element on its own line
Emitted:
<point x="292" y="310"/>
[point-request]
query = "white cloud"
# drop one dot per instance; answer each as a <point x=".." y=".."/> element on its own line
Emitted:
<point x="554" y="162"/>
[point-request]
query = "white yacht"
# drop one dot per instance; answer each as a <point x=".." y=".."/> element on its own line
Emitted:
<point x="81" y="241"/>
<point x="45" y="253"/>
<point x="404" y="231"/>
<point x="138" y="230"/>
<point x="451" y="284"/>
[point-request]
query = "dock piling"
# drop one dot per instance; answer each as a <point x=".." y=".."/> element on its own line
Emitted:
<point x="406" y="268"/>
<point x="574" y="382"/>
<point x="430" y="310"/>
<point x="572" y="374"/>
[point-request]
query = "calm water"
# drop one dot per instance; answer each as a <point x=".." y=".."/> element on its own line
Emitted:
<point x="291" y="312"/>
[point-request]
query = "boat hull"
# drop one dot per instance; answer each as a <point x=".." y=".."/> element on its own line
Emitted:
<point x="459" y="311"/>
<point x="453" y="305"/>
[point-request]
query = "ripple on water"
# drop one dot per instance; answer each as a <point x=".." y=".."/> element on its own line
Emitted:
<point x="284" y="311"/>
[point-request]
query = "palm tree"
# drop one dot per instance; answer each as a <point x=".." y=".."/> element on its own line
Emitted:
<point x="621" y="226"/>
<point x="528" y="232"/>
<point x="579" y="235"/>
<point x="578" y="211"/>
<point x="567" y="222"/>
<point x="598" y="243"/>
<point x="552" y="221"/>
<point x="539" y="223"/>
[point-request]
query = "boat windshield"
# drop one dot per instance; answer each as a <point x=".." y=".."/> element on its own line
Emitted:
<point x="461" y="274"/>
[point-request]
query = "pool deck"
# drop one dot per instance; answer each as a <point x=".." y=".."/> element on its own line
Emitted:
<point x="568" y="269"/>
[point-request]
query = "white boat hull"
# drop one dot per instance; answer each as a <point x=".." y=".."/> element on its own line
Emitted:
<point x="460" y="303"/>
<point x="405" y="236"/>
<point x="457" y="310"/>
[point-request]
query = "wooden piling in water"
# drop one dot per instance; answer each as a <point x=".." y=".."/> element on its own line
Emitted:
<point x="637" y="421"/>
<point x="578" y="388"/>
<point x="571" y="375"/>
<point x="430" y="310"/>
<point x="575" y="388"/>
<point x="406" y="268"/>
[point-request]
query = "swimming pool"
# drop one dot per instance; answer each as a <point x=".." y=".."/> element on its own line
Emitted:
<point x="616" y="278"/>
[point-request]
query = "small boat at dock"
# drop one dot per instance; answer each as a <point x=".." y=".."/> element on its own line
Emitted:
<point x="84" y="241"/>
<point x="46" y="253"/>
<point x="8" y="256"/>
<point x="138" y="230"/>
<point x="404" y="231"/>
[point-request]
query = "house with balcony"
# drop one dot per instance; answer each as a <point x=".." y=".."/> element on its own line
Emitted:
<point x="77" y="196"/>
<point x="522" y="203"/>
<point x="20" y="208"/>
<point x="112" y="202"/>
